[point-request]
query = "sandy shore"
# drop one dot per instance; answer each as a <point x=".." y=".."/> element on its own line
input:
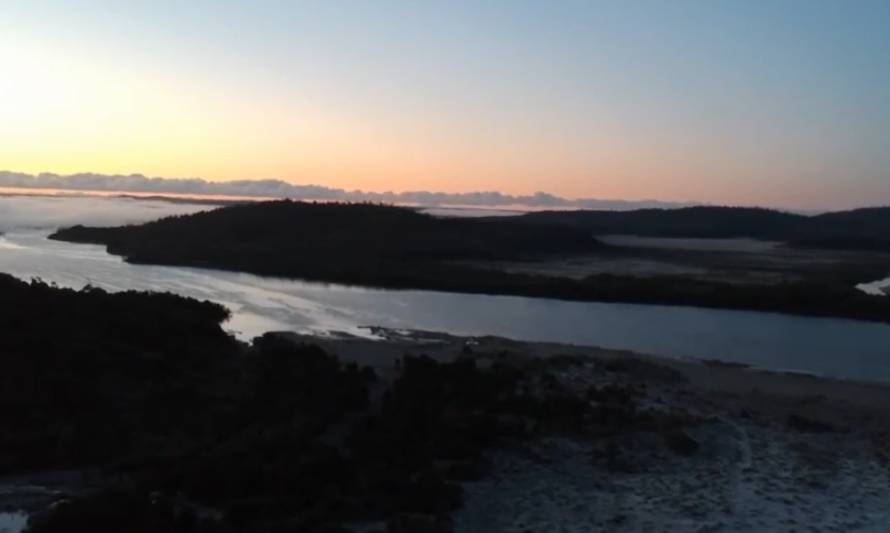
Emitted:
<point x="773" y="451"/>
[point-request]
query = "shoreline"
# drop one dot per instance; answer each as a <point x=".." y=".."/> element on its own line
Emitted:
<point x="569" y="292"/>
<point x="759" y="338"/>
<point x="396" y="248"/>
<point x="771" y="451"/>
<point x="708" y="374"/>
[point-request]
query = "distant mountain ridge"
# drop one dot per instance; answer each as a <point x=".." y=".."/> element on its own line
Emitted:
<point x="866" y="228"/>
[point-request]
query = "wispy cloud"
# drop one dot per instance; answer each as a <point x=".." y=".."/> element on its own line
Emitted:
<point x="138" y="183"/>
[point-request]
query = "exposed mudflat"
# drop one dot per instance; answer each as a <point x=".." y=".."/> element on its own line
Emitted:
<point x="744" y="478"/>
<point x="772" y="451"/>
<point x="741" y="261"/>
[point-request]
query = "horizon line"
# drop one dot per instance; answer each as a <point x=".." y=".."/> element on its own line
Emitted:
<point x="269" y="189"/>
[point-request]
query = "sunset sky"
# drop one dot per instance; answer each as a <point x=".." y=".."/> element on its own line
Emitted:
<point x="776" y="103"/>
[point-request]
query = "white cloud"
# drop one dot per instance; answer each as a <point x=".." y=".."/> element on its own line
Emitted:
<point x="280" y="189"/>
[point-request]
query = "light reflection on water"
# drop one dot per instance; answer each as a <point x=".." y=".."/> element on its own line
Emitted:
<point x="876" y="288"/>
<point x="13" y="522"/>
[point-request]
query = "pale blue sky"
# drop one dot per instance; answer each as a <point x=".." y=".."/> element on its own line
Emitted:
<point x="779" y="102"/>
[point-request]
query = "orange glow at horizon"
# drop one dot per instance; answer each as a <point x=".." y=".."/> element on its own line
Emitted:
<point x="73" y="103"/>
<point x="78" y="122"/>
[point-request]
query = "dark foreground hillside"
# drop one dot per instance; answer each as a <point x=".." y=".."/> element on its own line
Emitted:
<point x="90" y="377"/>
<point x="175" y="427"/>
<point x="395" y="247"/>
<point x="185" y="429"/>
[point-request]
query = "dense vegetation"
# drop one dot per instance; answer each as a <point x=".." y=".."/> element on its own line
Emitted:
<point x="285" y="237"/>
<point x="194" y="431"/>
<point x="692" y="222"/>
<point x="867" y="229"/>
<point x="85" y="373"/>
<point x="400" y="248"/>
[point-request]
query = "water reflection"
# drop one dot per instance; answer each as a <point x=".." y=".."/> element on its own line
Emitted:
<point x="13" y="522"/>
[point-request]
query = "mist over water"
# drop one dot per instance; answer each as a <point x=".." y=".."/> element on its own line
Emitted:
<point x="22" y="213"/>
<point x="835" y="347"/>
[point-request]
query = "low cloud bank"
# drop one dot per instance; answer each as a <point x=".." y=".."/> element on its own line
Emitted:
<point x="48" y="212"/>
<point x="279" y="189"/>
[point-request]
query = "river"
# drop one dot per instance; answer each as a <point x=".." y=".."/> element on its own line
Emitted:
<point x="833" y="347"/>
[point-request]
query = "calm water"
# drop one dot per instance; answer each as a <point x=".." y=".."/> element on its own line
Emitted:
<point x="13" y="522"/>
<point x="836" y="347"/>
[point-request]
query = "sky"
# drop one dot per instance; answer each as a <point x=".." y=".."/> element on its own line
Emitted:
<point x="777" y="103"/>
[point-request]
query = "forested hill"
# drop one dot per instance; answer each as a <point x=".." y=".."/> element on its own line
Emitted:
<point x="389" y="232"/>
<point x="393" y="247"/>
<point x="861" y="228"/>
<point x="285" y="236"/>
